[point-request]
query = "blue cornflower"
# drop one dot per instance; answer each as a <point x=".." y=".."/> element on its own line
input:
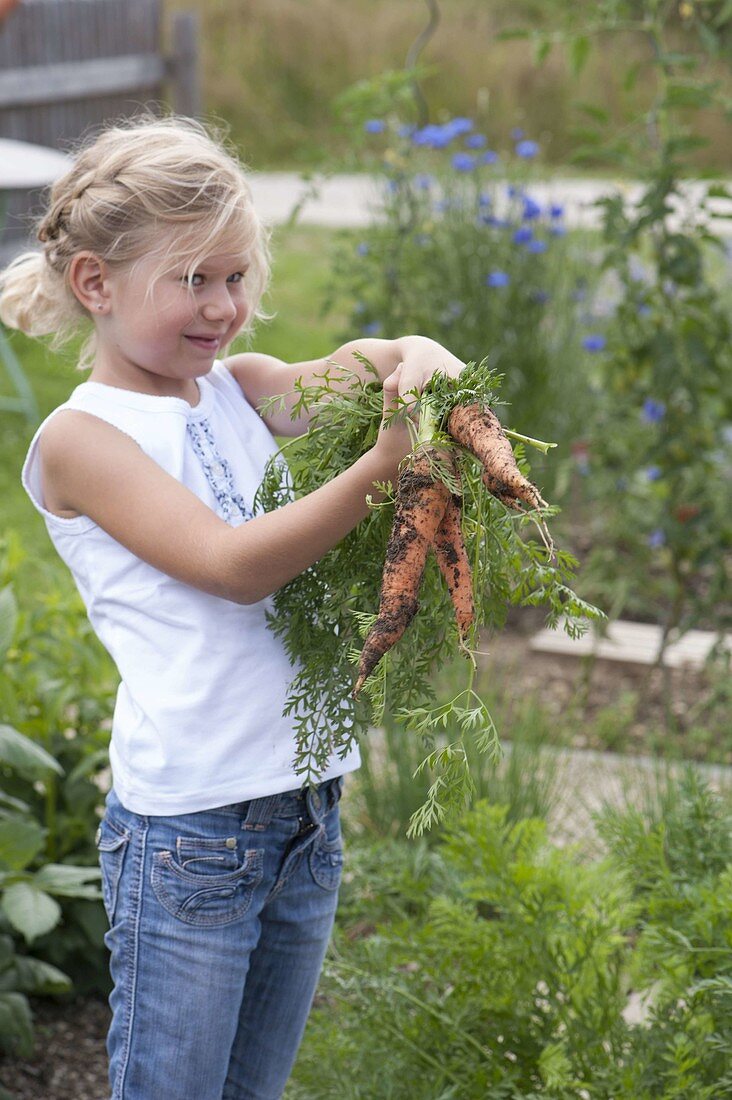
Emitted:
<point x="522" y="235"/>
<point x="557" y="231"/>
<point x="498" y="278"/>
<point x="463" y="162"/>
<point x="556" y="211"/>
<point x="527" y="149"/>
<point x="537" y="246"/>
<point x="656" y="538"/>
<point x="436" y="137"/>
<point x="540" y="296"/>
<point x="475" y="141"/>
<point x="423" y="181"/>
<point x="517" y="134"/>
<point x="459" y="126"/>
<point x="362" y="249"/>
<point x="531" y="209"/>
<point x="484" y="200"/>
<point x="644" y="309"/>
<point x="374" y="126"/>
<point x="512" y="191"/>
<point x="373" y="328"/>
<point x="489" y="157"/>
<point x="595" y="342"/>
<point x="653" y="473"/>
<point x="653" y="411"/>
<point x="392" y="186"/>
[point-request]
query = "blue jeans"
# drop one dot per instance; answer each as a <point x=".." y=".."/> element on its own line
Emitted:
<point x="219" y="922"/>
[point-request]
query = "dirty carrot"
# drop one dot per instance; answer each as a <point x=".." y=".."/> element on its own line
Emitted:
<point x="420" y="504"/>
<point x="452" y="558"/>
<point x="479" y="430"/>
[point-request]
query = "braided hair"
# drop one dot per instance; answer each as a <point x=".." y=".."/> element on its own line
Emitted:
<point x="167" y="188"/>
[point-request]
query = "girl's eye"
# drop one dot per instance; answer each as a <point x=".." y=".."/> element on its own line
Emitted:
<point x="238" y="276"/>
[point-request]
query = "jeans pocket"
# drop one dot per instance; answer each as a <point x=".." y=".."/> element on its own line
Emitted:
<point x="326" y="853"/>
<point x="112" y="841"/>
<point x="195" y="890"/>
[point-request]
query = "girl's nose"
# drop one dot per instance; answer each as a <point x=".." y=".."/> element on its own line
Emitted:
<point x="219" y="306"/>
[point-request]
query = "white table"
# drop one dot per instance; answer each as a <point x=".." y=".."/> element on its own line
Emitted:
<point x="22" y="167"/>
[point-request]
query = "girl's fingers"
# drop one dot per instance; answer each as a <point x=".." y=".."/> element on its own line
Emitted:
<point x="390" y="387"/>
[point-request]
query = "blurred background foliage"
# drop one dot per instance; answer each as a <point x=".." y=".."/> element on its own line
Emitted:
<point x="272" y="69"/>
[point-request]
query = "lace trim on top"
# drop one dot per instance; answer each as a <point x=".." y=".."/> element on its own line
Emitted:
<point x="218" y="473"/>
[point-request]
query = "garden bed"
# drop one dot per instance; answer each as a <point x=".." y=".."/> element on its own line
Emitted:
<point x="601" y="704"/>
<point x="69" y="1060"/>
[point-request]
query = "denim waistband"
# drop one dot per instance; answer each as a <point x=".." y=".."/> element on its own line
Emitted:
<point x="317" y="800"/>
<point x="256" y="813"/>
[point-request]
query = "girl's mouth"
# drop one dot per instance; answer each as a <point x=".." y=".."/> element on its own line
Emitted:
<point x="209" y="343"/>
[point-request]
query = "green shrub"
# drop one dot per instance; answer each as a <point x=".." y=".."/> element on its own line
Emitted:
<point x="496" y="964"/>
<point x="660" y="439"/>
<point x="29" y="886"/>
<point x="507" y="981"/>
<point x="676" y="857"/>
<point x="458" y="250"/>
<point x="55" y="700"/>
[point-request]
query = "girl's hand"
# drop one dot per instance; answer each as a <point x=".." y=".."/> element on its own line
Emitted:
<point x="421" y="358"/>
<point x="395" y="440"/>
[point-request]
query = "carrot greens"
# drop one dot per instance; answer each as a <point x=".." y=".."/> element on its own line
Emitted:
<point x="323" y="615"/>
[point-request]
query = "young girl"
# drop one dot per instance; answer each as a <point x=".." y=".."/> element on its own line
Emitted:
<point x="220" y="871"/>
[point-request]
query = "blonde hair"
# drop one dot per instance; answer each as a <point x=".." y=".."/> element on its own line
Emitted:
<point x="127" y="189"/>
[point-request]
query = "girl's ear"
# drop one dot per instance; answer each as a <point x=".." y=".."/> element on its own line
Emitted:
<point x="89" y="282"/>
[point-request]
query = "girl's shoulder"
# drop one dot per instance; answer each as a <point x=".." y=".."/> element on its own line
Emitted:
<point x="69" y="434"/>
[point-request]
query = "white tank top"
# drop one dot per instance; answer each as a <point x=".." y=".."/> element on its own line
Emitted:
<point x="198" y="719"/>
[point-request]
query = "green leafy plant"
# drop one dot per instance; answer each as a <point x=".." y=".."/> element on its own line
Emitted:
<point x="507" y="979"/>
<point x="390" y="787"/>
<point x="55" y="697"/>
<point x="322" y="615"/>
<point x="660" y="439"/>
<point x="458" y="249"/>
<point x="29" y="884"/>
<point x="495" y="963"/>
<point x="676" y="856"/>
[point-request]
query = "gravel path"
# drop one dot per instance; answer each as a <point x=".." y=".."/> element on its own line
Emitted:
<point x="345" y="200"/>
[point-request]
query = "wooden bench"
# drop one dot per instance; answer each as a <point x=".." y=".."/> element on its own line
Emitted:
<point x="632" y="643"/>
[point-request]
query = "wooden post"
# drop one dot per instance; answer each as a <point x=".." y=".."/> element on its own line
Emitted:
<point x="183" y="65"/>
<point x="6" y="6"/>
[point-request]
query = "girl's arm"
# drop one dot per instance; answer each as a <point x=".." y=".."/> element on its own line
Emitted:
<point x="95" y="470"/>
<point x="264" y="376"/>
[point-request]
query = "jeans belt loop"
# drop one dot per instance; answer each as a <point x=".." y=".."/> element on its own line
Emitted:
<point x="259" y="813"/>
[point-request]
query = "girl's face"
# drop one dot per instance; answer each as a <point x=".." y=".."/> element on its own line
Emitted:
<point x="165" y="342"/>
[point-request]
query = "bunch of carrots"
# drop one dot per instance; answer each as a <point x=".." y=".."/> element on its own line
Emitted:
<point x="461" y="456"/>
<point x="427" y="516"/>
